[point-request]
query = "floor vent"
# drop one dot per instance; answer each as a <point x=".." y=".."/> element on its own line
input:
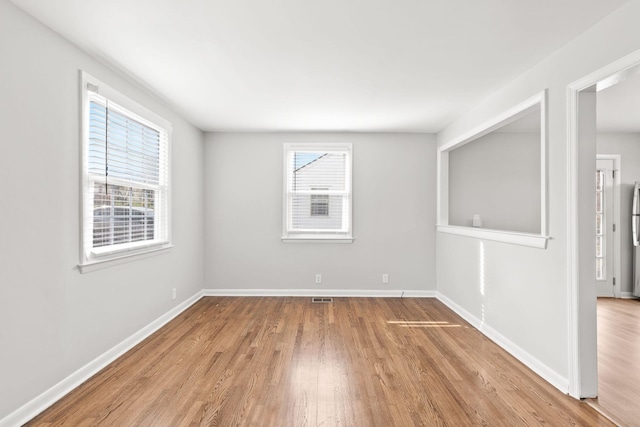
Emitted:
<point x="321" y="300"/>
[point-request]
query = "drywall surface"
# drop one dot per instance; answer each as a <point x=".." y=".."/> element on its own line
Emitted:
<point x="55" y="319"/>
<point x="525" y="296"/>
<point x="627" y="145"/>
<point x="393" y="215"/>
<point x="497" y="177"/>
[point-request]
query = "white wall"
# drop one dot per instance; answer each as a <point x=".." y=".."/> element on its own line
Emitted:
<point x="628" y="146"/>
<point x="393" y="207"/>
<point x="525" y="295"/>
<point x="497" y="177"/>
<point x="55" y="319"/>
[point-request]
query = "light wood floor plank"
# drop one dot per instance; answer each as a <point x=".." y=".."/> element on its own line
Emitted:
<point x="230" y="361"/>
<point x="618" y="359"/>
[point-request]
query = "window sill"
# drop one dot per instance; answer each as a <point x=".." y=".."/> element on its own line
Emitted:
<point x="523" y="239"/>
<point x="317" y="239"/>
<point x="100" y="263"/>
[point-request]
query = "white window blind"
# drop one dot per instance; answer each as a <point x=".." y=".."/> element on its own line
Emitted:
<point x="126" y="179"/>
<point x="317" y="191"/>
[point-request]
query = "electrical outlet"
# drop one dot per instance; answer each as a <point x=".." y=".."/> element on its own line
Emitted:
<point x="318" y="278"/>
<point x="173" y="293"/>
<point x="385" y="278"/>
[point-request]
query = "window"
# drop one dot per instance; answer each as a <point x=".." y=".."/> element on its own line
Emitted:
<point x="317" y="192"/>
<point x="601" y="272"/>
<point x="125" y="176"/>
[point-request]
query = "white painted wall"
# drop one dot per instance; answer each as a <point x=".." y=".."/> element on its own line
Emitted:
<point x="497" y="177"/>
<point x="393" y="207"/>
<point x="525" y="295"/>
<point x="55" y="319"/>
<point x="628" y="146"/>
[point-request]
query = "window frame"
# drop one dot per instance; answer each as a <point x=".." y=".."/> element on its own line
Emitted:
<point x="100" y="257"/>
<point x="289" y="234"/>
<point x="534" y="240"/>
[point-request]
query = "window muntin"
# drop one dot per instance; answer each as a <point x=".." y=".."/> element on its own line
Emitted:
<point x="126" y="176"/>
<point x="317" y="191"/>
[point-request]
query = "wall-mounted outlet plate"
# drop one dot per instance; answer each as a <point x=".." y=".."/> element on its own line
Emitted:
<point x="318" y="278"/>
<point x="385" y="278"/>
<point x="173" y="293"/>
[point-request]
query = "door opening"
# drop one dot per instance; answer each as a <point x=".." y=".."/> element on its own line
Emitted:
<point x="583" y="371"/>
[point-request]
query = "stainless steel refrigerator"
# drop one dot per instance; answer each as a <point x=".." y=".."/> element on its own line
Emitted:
<point x="635" y="230"/>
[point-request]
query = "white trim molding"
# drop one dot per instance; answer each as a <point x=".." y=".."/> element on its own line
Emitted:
<point x="522" y="239"/>
<point x="100" y="264"/>
<point x="442" y="192"/>
<point x="355" y="293"/>
<point x="548" y="374"/>
<point x="35" y="406"/>
<point x="581" y="377"/>
<point x="628" y="295"/>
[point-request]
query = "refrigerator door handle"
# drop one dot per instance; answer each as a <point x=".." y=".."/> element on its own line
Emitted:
<point x="635" y="215"/>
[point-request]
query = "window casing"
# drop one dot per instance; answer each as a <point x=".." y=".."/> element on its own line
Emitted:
<point x="537" y="239"/>
<point x="125" y="191"/>
<point x="317" y="192"/>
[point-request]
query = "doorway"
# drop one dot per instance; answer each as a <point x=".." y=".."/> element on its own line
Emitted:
<point x="582" y="272"/>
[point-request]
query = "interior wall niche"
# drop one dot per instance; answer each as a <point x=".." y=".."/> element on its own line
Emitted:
<point x="492" y="180"/>
<point x="497" y="178"/>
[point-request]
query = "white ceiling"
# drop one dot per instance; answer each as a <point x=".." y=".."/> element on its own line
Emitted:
<point x="323" y="65"/>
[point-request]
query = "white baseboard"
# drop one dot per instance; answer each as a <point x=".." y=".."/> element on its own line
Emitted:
<point x="548" y="374"/>
<point x="32" y="408"/>
<point x="602" y="295"/>
<point x="627" y="295"/>
<point x="318" y="293"/>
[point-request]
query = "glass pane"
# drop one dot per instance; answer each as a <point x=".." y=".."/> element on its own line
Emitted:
<point x="122" y="214"/>
<point x="600" y="239"/>
<point x="599" y="269"/>
<point x="326" y="213"/>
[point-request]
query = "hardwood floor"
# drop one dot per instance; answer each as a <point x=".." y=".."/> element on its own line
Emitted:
<point x="618" y="359"/>
<point x="287" y="362"/>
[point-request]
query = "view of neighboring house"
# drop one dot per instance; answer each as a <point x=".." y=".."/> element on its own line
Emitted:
<point x="318" y="185"/>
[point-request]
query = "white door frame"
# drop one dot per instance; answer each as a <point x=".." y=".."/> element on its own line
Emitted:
<point x="581" y="308"/>
<point x="617" y="159"/>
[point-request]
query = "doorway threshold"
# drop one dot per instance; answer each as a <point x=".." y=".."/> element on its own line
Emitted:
<point x="593" y="402"/>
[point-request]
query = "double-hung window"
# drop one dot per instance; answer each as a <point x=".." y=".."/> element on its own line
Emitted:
<point x="317" y="192"/>
<point x="125" y="176"/>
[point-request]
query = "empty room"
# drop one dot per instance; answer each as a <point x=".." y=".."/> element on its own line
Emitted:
<point x="305" y="213"/>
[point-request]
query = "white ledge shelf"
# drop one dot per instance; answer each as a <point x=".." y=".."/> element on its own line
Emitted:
<point x="523" y="239"/>
<point x="124" y="257"/>
<point x="317" y="239"/>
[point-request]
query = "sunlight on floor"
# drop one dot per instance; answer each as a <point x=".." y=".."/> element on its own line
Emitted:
<point x="422" y="324"/>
